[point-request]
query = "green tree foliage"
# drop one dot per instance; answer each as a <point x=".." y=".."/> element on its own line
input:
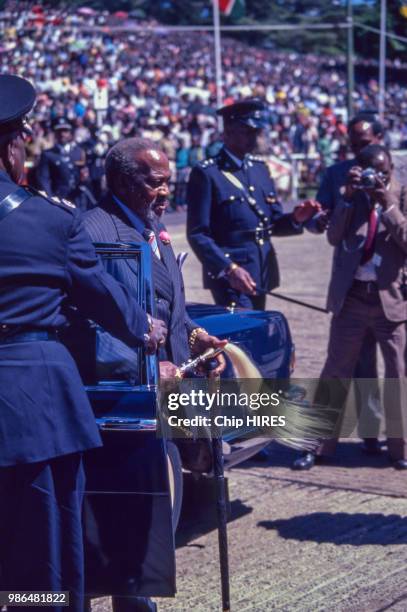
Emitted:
<point x="367" y="43"/>
<point x="298" y="12"/>
<point x="193" y="12"/>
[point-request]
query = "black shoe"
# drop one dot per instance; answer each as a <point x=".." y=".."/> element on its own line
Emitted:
<point x="305" y="462"/>
<point x="371" y="446"/>
<point x="400" y="464"/>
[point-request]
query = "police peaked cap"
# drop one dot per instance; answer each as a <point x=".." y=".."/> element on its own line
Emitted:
<point x="61" y="123"/>
<point x="17" y="97"/>
<point x="252" y="112"/>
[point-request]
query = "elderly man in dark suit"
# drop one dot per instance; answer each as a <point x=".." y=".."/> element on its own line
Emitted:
<point x="138" y="175"/>
<point x="368" y="289"/>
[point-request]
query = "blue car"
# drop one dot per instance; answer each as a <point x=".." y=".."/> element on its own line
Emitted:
<point x="135" y="482"/>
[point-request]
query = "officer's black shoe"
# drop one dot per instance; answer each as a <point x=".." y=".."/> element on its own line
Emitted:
<point x="305" y="462"/>
<point x="371" y="446"/>
<point x="400" y="464"/>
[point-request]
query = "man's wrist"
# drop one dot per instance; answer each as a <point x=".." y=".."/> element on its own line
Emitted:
<point x="194" y="336"/>
<point x="231" y="268"/>
<point x="296" y="224"/>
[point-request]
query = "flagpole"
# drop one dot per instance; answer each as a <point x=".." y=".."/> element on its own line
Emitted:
<point x="350" y="60"/>
<point x="218" y="53"/>
<point x="382" y="60"/>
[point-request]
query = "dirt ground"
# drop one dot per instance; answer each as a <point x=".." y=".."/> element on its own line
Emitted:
<point x="329" y="539"/>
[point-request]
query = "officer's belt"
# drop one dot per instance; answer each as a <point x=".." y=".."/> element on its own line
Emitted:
<point x="235" y="238"/>
<point x="13" y="201"/>
<point x="11" y="336"/>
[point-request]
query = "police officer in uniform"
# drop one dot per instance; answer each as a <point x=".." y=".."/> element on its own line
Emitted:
<point x="45" y="417"/>
<point x="58" y="168"/>
<point x="233" y="211"/>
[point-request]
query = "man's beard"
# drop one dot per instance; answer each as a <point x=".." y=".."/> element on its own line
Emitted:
<point x="150" y="216"/>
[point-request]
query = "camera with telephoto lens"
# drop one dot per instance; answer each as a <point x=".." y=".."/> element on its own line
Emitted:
<point x="368" y="178"/>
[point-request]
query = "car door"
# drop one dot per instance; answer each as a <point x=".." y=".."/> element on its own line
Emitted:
<point x="128" y="509"/>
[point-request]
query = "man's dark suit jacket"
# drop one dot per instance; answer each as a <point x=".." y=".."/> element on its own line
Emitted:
<point x="108" y="223"/>
<point x="333" y="179"/>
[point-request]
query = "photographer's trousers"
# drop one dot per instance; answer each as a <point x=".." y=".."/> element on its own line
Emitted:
<point x="362" y="313"/>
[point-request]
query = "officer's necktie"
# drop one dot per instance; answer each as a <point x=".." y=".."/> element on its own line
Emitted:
<point x="149" y="235"/>
<point x="369" y="246"/>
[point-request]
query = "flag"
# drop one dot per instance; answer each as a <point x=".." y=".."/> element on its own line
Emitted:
<point x="231" y="8"/>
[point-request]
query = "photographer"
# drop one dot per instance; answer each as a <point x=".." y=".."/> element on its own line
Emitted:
<point x="367" y="292"/>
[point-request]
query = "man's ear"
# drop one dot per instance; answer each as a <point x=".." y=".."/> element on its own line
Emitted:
<point x="125" y="184"/>
<point x="9" y="154"/>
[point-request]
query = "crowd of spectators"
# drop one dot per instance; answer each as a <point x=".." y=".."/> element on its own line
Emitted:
<point x="161" y="84"/>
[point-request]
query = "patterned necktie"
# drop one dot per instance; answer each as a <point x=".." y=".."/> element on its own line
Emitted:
<point x="369" y="246"/>
<point x="149" y="235"/>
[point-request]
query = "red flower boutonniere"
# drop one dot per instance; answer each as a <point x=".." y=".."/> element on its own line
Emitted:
<point x="164" y="237"/>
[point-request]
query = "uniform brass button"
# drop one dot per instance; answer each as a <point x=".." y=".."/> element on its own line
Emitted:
<point x="251" y="188"/>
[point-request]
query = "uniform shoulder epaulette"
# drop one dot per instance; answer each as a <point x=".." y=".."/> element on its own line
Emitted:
<point x="256" y="158"/>
<point x="207" y="163"/>
<point x="66" y="204"/>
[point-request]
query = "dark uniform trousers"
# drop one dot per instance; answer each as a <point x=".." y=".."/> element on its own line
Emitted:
<point x="52" y="492"/>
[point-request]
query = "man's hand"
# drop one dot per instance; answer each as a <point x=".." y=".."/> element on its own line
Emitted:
<point x="306" y="210"/>
<point x="322" y="220"/>
<point x="353" y="182"/>
<point x="156" y="336"/>
<point x="380" y="194"/>
<point x="204" y="341"/>
<point x="168" y="370"/>
<point x="241" y="280"/>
